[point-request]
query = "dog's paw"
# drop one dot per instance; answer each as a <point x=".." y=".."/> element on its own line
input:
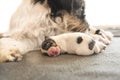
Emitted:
<point x="109" y="35"/>
<point x="99" y="47"/>
<point x="102" y="47"/>
<point x="10" y="55"/>
<point x="101" y="35"/>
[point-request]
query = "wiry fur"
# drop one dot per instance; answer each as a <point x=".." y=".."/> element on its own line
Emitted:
<point x="35" y="19"/>
<point x="30" y="24"/>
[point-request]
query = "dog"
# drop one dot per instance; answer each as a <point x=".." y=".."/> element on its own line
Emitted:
<point x="35" y="19"/>
<point x="72" y="43"/>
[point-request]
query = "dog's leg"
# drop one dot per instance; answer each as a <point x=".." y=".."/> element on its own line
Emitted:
<point x="12" y="49"/>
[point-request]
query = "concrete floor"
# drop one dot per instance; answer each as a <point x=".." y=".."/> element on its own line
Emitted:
<point x="103" y="66"/>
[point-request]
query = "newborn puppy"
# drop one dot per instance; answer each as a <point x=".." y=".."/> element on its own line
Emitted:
<point x="72" y="43"/>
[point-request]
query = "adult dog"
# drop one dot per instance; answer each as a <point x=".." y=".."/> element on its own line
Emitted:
<point x="35" y="19"/>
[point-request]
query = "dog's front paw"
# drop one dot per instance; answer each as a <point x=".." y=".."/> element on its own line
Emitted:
<point x="99" y="47"/>
<point x="10" y="55"/>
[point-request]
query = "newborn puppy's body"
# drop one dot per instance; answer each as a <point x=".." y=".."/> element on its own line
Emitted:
<point x="73" y="43"/>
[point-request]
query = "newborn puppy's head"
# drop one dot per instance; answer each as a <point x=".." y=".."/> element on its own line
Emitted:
<point x="50" y="47"/>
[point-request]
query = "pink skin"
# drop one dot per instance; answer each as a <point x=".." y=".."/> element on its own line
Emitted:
<point x="54" y="51"/>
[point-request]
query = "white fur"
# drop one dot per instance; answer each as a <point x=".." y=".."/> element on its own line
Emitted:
<point x="30" y="24"/>
<point x="105" y="36"/>
<point x="68" y="43"/>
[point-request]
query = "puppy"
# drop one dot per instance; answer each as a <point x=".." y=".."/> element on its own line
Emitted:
<point x="35" y="19"/>
<point x="71" y="43"/>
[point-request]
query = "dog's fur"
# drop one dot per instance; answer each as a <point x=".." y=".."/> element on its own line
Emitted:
<point x="72" y="43"/>
<point x="35" y="19"/>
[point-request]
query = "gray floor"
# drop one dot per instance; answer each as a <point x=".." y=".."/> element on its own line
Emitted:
<point x="104" y="66"/>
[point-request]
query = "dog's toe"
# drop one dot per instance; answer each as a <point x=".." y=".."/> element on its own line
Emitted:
<point x="11" y="55"/>
<point x="15" y="53"/>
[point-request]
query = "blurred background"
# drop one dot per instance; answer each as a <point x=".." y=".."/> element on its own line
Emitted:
<point x="103" y="12"/>
<point x="98" y="12"/>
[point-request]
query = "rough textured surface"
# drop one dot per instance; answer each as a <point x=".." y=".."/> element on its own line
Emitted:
<point x="104" y="66"/>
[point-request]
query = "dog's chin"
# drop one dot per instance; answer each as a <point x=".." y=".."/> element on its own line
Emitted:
<point x="54" y="51"/>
